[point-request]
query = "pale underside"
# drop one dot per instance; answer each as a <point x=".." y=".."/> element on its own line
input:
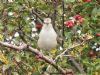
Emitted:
<point x="47" y="38"/>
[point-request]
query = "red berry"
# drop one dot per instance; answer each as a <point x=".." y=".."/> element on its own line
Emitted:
<point x="94" y="57"/>
<point x="87" y="0"/>
<point x="69" y="24"/>
<point x="79" y="18"/>
<point x="15" y="14"/>
<point x="98" y="34"/>
<point x="91" y="53"/>
<point x="38" y="26"/>
<point x="38" y="58"/>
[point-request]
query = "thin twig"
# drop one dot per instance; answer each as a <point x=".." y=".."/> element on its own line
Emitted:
<point x="35" y="13"/>
<point x="63" y="23"/>
<point x="72" y="59"/>
<point x="67" y="50"/>
<point x="63" y="53"/>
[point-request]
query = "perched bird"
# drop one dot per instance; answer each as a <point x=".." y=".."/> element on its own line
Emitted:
<point x="47" y="37"/>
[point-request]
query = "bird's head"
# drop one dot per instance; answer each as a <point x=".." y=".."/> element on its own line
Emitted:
<point x="47" y="20"/>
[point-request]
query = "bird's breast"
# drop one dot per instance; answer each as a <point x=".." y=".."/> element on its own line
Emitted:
<point x="47" y="42"/>
<point x="47" y="39"/>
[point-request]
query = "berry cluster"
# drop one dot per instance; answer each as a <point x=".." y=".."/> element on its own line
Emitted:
<point x="87" y="0"/>
<point x="98" y="34"/>
<point x="93" y="53"/>
<point x="71" y="22"/>
<point x="95" y="50"/>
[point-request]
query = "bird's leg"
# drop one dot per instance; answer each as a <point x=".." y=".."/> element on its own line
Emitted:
<point x="49" y="68"/>
<point x="50" y="56"/>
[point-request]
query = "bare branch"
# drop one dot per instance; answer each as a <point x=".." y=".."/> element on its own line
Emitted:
<point x="13" y="46"/>
<point x="74" y="46"/>
<point x="35" y="13"/>
<point x="68" y="52"/>
<point x="63" y="54"/>
<point x="37" y="52"/>
<point x="50" y="61"/>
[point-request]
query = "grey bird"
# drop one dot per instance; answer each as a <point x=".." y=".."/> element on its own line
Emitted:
<point x="47" y="37"/>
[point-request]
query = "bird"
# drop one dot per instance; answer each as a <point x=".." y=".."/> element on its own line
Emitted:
<point x="47" y="36"/>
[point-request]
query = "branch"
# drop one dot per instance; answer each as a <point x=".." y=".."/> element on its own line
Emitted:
<point x="24" y="46"/>
<point x="50" y="61"/>
<point x="35" y="13"/>
<point x="77" y="65"/>
<point x="72" y="59"/>
<point x="74" y="46"/>
<point x="68" y="52"/>
<point x="13" y="46"/>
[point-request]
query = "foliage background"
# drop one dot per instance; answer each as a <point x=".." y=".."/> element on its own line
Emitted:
<point x="21" y="21"/>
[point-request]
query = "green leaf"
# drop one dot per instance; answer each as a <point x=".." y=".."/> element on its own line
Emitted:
<point x="15" y="73"/>
<point x="5" y="67"/>
<point x="1" y="36"/>
<point x="18" y="58"/>
<point x="96" y="12"/>
<point x="68" y="1"/>
<point x="35" y="73"/>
